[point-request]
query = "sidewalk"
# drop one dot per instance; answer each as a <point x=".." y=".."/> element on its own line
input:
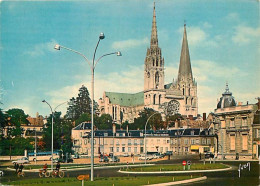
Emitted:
<point x="180" y="182"/>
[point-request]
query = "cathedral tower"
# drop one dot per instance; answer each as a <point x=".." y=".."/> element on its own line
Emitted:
<point x="185" y="82"/>
<point x="154" y="63"/>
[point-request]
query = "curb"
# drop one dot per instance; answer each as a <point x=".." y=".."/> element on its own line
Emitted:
<point x="180" y="182"/>
<point x="177" y="172"/>
<point x="86" y="168"/>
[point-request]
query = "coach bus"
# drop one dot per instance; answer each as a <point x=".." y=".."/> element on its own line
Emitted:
<point x="41" y="156"/>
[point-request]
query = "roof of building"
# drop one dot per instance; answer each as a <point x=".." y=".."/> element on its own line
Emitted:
<point x="126" y="99"/>
<point x="153" y="133"/>
<point x="83" y="126"/>
<point x="227" y="100"/>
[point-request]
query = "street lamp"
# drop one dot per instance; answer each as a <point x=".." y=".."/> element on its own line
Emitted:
<point x="52" y="112"/>
<point x="92" y="67"/>
<point x="145" y="134"/>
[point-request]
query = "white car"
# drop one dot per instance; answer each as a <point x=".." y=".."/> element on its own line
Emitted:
<point x="21" y="160"/>
<point x="148" y="157"/>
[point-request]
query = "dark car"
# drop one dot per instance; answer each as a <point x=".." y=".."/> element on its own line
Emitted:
<point x="168" y="153"/>
<point x="209" y="155"/>
<point x="115" y="159"/>
<point x="110" y="155"/>
<point x="104" y="159"/>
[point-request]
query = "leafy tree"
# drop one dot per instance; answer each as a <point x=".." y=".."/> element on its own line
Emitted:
<point x="86" y="117"/>
<point x="104" y="122"/>
<point x="80" y="104"/>
<point x="61" y="133"/>
<point x="16" y="117"/>
<point x="139" y="123"/>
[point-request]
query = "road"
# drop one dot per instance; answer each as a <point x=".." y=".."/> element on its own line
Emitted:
<point x="218" y="178"/>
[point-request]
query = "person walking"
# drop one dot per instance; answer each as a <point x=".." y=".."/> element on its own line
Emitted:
<point x="16" y="167"/>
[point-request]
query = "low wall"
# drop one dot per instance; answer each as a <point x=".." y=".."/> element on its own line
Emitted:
<point x="8" y="157"/>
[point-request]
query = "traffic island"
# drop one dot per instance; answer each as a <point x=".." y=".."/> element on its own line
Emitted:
<point x="177" y="169"/>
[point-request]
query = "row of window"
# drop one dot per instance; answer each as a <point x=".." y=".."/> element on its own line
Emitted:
<point x="231" y="122"/>
<point x="204" y="141"/>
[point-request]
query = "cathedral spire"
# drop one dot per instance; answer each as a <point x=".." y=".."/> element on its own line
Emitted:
<point x="154" y="38"/>
<point x="185" y="71"/>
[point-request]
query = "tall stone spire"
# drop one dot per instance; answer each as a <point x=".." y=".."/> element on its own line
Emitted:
<point x="185" y="72"/>
<point x="154" y="37"/>
<point x="154" y="62"/>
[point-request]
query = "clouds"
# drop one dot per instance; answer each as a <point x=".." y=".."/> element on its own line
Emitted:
<point x="130" y="43"/>
<point x="41" y="49"/>
<point x="245" y="35"/>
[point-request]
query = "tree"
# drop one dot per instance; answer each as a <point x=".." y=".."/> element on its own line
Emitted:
<point x="139" y="123"/>
<point x="80" y="104"/>
<point x="16" y="117"/>
<point x="86" y="117"/>
<point x="61" y="133"/>
<point x="104" y="122"/>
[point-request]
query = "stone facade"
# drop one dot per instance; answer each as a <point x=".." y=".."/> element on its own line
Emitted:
<point x="179" y="96"/>
<point x="120" y="142"/>
<point x="234" y="128"/>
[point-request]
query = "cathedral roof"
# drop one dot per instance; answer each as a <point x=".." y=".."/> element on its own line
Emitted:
<point x="227" y="100"/>
<point x="125" y="99"/>
<point x="185" y="71"/>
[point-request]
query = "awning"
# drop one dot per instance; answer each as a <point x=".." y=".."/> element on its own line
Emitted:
<point x="194" y="147"/>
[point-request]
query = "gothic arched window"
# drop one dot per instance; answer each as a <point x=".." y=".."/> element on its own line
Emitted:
<point x="159" y="99"/>
<point x="189" y="91"/>
<point x="183" y="91"/>
<point x="186" y="100"/>
<point x="157" y="79"/>
<point x="154" y="99"/>
<point x="191" y="101"/>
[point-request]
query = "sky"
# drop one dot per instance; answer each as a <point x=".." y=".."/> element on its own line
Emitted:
<point x="223" y="39"/>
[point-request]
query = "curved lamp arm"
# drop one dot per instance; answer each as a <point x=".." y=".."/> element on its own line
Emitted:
<point x="117" y="53"/>
<point x="59" y="105"/>
<point x="44" y="101"/>
<point x="57" y="47"/>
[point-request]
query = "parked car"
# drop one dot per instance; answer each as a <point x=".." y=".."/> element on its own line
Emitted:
<point x="110" y="155"/>
<point x="56" y="160"/>
<point x="104" y="159"/>
<point x="148" y="157"/>
<point x="209" y="155"/>
<point x="168" y="153"/>
<point x="21" y="160"/>
<point x="114" y="159"/>
<point x="126" y="155"/>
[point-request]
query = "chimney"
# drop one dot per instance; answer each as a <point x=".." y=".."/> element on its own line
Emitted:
<point x="204" y="116"/>
<point x="127" y="128"/>
<point x="240" y="103"/>
<point x="176" y="124"/>
<point x="191" y="117"/>
<point x="114" y="128"/>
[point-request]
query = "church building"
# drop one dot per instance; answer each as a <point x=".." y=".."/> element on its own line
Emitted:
<point x="179" y="96"/>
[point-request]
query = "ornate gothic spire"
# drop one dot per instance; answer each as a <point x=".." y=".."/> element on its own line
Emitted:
<point x="185" y="71"/>
<point x="154" y="38"/>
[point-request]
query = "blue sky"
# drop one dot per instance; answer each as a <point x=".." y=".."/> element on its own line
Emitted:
<point x="223" y="40"/>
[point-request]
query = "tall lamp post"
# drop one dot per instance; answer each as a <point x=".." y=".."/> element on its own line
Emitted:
<point x="52" y="112"/>
<point x="145" y="135"/>
<point x="92" y="67"/>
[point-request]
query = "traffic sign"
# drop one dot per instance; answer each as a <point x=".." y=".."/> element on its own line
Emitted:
<point x="188" y="162"/>
<point x="184" y="163"/>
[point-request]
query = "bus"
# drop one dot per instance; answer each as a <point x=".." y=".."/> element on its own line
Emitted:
<point x="41" y="156"/>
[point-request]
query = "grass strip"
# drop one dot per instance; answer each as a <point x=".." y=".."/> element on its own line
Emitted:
<point x="126" y="181"/>
<point x="175" y="167"/>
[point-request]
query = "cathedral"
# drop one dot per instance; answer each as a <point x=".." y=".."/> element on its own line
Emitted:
<point x="179" y="96"/>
